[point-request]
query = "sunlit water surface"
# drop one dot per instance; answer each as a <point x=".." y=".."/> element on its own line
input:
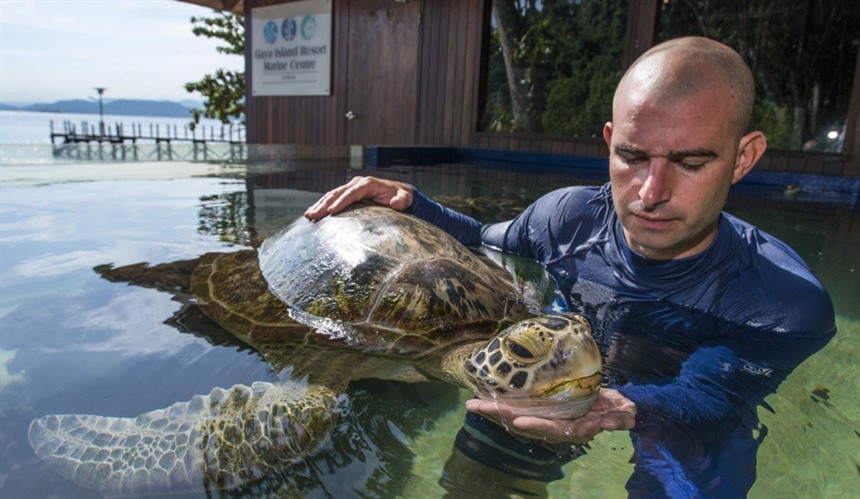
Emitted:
<point x="72" y="342"/>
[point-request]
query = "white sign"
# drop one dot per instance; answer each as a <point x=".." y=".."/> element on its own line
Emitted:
<point x="291" y="45"/>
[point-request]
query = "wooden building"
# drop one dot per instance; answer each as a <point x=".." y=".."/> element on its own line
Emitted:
<point x="409" y="72"/>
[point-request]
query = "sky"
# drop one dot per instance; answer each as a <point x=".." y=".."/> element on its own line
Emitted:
<point x="137" y="49"/>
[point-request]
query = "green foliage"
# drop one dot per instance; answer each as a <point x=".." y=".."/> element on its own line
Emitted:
<point x="498" y="115"/>
<point x="570" y="53"/>
<point x="580" y="108"/>
<point x="774" y="121"/>
<point x="566" y="58"/>
<point x="802" y="55"/>
<point x="224" y="91"/>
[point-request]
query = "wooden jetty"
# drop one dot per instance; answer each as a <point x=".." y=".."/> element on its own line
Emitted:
<point x="116" y="134"/>
<point x="99" y="142"/>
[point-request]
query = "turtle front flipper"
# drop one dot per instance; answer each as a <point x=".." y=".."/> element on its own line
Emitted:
<point x="216" y="441"/>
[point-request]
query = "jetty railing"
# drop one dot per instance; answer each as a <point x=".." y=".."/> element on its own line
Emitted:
<point x="153" y="142"/>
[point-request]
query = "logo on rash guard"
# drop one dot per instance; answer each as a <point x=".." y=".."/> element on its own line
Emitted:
<point x="757" y="370"/>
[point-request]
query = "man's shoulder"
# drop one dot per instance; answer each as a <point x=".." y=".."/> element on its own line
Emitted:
<point x="764" y="248"/>
<point x="577" y="199"/>
<point x="776" y="279"/>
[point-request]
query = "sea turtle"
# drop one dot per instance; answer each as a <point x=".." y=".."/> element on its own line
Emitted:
<point x="368" y="293"/>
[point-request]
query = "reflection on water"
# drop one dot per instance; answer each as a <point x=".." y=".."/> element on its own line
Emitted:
<point x="72" y="342"/>
<point x="87" y="153"/>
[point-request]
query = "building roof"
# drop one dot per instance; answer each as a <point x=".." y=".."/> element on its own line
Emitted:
<point x="235" y="6"/>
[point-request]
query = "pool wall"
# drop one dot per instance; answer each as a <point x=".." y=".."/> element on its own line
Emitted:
<point x="826" y="188"/>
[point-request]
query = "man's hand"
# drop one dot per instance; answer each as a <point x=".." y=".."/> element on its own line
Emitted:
<point x="396" y="195"/>
<point x="611" y="411"/>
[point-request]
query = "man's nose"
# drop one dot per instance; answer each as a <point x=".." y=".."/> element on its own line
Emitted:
<point x="656" y="188"/>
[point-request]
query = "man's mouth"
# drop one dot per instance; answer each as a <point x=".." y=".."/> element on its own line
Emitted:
<point x="650" y="220"/>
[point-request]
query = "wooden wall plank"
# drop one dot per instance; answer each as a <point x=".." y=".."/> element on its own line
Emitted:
<point x="448" y="91"/>
<point x="439" y="78"/>
<point x="471" y="54"/>
<point x="340" y="82"/>
<point x="453" y="87"/>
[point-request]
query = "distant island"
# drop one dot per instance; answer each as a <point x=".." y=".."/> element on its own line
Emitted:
<point x="119" y="107"/>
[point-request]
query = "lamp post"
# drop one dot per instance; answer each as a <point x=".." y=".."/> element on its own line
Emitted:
<point x="101" y="91"/>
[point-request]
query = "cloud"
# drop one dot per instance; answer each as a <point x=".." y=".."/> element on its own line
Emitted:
<point x="53" y="50"/>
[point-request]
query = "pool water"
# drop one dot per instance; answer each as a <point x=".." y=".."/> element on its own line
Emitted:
<point x="72" y="342"/>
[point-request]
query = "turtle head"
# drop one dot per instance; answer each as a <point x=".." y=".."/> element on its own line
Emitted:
<point x="546" y="366"/>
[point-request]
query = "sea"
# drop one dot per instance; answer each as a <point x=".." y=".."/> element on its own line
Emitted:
<point x="25" y="139"/>
<point x="34" y="128"/>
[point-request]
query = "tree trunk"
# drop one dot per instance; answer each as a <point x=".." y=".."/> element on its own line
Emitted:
<point x="511" y="30"/>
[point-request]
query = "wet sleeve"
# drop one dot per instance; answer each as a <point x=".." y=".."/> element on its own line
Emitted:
<point x="465" y="229"/>
<point x="549" y="227"/>
<point x="708" y="413"/>
<point x="707" y="390"/>
<point x="781" y="315"/>
<point x="545" y="229"/>
<point x="726" y="380"/>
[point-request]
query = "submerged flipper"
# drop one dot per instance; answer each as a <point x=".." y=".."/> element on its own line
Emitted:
<point x="212" y="442"/>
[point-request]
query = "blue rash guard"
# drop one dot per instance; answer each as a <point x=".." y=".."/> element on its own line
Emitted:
<point x="696" y="343"/>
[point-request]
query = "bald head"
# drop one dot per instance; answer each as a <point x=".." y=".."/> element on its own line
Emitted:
<point x="681" y="68"/>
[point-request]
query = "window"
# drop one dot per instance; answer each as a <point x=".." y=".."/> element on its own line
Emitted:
<point x="802" y="55"/>
<point x="553" y="65"/>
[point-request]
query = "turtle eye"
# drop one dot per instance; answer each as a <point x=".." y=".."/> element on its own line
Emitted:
<point x="520" y="351"/>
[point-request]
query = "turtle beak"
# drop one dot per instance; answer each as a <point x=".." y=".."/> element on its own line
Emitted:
<point x="577" y="387"/>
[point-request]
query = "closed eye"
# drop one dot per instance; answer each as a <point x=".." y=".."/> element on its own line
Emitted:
<point x="691" y="160"/>
<point x="629" y="154"/>
<point x="691" y="165"/>
<point x="630" y="157"/>
<point x="633" y="160"/>
<point x="520" y="351"/>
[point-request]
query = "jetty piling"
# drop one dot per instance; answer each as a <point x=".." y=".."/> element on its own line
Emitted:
<point x="116" y="134"/>
<point x="86" y="142"/>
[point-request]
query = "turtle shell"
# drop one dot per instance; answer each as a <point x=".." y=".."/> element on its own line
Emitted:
<point x="382" y="280"/>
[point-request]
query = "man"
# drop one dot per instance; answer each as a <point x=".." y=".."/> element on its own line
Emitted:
<point x="701" y="315"/>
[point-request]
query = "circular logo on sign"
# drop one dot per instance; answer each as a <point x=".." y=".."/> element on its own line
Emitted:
<point x="309" y="27"/>
<point x="270" y="32"/>
<point x="288" y="29"/>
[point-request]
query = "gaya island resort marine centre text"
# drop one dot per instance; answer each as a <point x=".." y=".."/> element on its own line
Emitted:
<point x="286" y="58"/>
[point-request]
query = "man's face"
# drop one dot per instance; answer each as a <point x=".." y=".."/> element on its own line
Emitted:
<point x="670" y="169"/>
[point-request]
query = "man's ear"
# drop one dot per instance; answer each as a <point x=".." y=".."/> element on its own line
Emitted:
<point x="750" y="150"/>
<point x="607" y="134"/>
